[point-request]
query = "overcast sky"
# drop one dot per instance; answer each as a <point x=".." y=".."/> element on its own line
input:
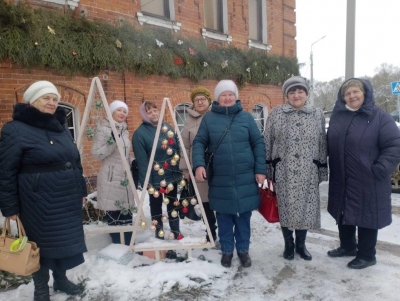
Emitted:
<point x="377" y="36"/>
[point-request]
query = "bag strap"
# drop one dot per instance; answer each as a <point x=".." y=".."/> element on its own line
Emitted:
<point x="223" y="136"/>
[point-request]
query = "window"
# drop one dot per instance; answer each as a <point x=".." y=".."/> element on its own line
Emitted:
<point x="72" y="4"/>
<point x="216" y="20"/>
<point x="70" y="119"/>
<point x="159" y="8"/>
<point x="258" y="24"/>
<point x="260" y="114"/>
<point x="181" y="114"/>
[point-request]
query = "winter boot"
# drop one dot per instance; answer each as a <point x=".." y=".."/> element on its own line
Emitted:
<point x="245" y="259"/>
<point x="288" y="253"/>
<point x="226" y="260"/>
<point x="61" y="283"/>
<point x="41" y="280"/>
<point x="301" y="245"/>
<point x="174" y="226"/>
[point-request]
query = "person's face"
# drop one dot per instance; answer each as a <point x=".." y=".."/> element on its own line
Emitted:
<point x="119" y="115"/>
<point x="227" y="99"/>
<point x="297" y="98"/>
<point x="201" y="104"/>
<point x="354" y="97"/>
<point x="46" y="103"/>
<point x="153" y="114"/>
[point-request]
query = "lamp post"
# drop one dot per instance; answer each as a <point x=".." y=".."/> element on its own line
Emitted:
<point x="312" y="73"/>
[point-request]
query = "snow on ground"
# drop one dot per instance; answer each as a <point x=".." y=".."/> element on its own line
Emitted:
<point x="270" y="278"/>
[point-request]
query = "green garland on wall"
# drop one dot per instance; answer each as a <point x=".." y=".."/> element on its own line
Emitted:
<point x="49" y="38"/>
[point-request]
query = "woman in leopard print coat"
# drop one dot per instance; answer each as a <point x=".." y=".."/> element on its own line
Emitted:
<point x="296" y="152"/>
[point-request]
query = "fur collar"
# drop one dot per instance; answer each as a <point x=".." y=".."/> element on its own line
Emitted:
<point x="32" y="116"/>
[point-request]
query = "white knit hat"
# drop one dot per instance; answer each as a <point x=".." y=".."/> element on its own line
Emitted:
<point x="225" y="85"/>
<point x="39" y="89"/>
<point x="118" y="104"/>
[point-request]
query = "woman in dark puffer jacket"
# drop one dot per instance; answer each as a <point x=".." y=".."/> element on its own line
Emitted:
<point x="42" y="182"/>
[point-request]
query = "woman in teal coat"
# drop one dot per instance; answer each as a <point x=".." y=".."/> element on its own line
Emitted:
<point x="238" y="167"/>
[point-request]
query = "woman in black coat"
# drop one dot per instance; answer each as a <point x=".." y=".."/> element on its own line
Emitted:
<point x="364" y="149"/>
<point x="42" y="182"/>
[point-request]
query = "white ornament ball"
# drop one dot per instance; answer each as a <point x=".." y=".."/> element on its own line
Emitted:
<point x="171" y="236"/>
<point x="156" y="194"/>
<point x="164" y="128"/>
<point x="170" y="134"/>
<point x="169" y="151"/>
<point x="204" y="241"/>
<point x="193" y="201"/>
<point x="163" y="183"/>
<point x="152" y="227"/>
<point x="164" y="219"/>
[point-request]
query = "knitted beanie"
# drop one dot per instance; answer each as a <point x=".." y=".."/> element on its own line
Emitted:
<point x="39" y="89"/>
<point x="293" y="82"/>
<point x="225" y="85"/>
<point x="201" y="91"/>
<point x="116" y="104"/>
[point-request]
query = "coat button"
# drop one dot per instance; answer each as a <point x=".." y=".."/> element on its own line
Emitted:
<point x="298" y="124"/>
<point x="297" y="139"/>
<point x="68" y="165"/>
<point x="297" y="156"/>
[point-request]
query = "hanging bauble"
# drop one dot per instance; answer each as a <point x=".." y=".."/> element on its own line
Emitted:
<point x="176" y="203"/>
<point x="162" y="190"/>
<point x="163" y="183"/>
<point x="204" y="240"/>
<point x="151" y="190"/>
<point x="161" y="172"/>
<point x="193" y="201"/>
<point x="154" y="222"/>
<point x="174" y="213"/>
<point x="164" y="142"/>
<point x="156" y="194"/>
<point x="156" y="167"/>
<point x="171" y="141"/>
<point x="171" y="235"/>
<point x="176" y="157"/>
<point x="170" y="186"/>
<point x="166" y="201"/>
<point x="164" y="146"/>
<point x="169" y="151"/>
<point x="173" y="162"/>
<point x="161" y="233"/>
<point x="182" y="183"/>
<point x="180" y="236"/>
<point x="170" y="134"/>
<point x="165" y="165"/>
<point x="164" y="219"/>
<point x="152" y="227"/>
<point x="185" y="209"/>
<point x="164" y="128"/>
<point x="143" y="224"/>
<point x="185" y="203"/>
<point x="167" y="191"/>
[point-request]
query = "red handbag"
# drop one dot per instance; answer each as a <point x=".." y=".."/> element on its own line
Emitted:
<point x="268" y="203"/>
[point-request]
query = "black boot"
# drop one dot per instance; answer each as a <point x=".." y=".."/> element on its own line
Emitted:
<point x="245" y="259"/>
<point x="226" y="260"/>
<point x="288" y="253"/>
<point x="61" y="283"/>
<point x="174" y="226"/>
<point x="41" y="280"/>
<point x="301" y="245"/>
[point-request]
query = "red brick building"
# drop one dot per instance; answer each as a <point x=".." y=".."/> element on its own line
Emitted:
<point x="267" y="25"/>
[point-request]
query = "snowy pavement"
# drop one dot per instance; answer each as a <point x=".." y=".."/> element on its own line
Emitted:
<point x="270" y="278"/>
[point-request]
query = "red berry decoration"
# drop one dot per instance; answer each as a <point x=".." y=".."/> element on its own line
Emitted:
<point x="180" y="236"/>
<point x="185" y="209"/>
<point x="162" y="190"/>
<point x="165" y="165"/>
<point x="171" y="141"/>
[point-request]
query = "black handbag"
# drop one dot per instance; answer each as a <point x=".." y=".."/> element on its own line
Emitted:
<point x="188" y="193"/>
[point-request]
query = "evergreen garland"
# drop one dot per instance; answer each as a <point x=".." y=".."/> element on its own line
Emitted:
<point x="50" y="38"/>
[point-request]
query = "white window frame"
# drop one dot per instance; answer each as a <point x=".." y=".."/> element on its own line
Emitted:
<point x="153" y="20"/>
<point x="184" y="106"/>
<point x="257" y="117"/>
<point x="264" y="32"/>
<point x="71" y="3"/>
<point x="72" y="110"/>
<point x="224" y="36"/>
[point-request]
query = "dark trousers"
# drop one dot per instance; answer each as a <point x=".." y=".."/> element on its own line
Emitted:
<point x="212" y="221"/>
<point x="367" y="239"/>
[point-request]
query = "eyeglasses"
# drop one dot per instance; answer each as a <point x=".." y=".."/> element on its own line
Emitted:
<point x="203" y="99"/>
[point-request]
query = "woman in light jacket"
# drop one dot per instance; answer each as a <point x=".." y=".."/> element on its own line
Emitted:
<point x="201" y="98"/>
<point x="113" y="193"/>
<point x="295" y="143"/>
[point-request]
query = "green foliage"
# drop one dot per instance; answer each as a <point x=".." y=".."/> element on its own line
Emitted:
<point x="47" y="38"/>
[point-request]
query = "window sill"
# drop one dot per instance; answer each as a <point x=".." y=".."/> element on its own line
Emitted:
<point x="216" y="36"/>
<point x="253" y="44"/>
<point x="71" y="3"/>
<point x="143" y="19"/>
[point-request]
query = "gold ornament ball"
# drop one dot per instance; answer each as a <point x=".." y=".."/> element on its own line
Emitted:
<point x="166" y="201"/>
<point x="163" y="183"/>
<point x="176" y="157"/>
<point x="161" y="233"/>
<point x="156" y="194"/>
<point x="193" y="201"/>
<point x="174" y="213"/>
<point x="170" y="134"/>
<point x="164" y="219"/>
<point x="157" y="167"/>
<point x="182" y="183"/>
<point x="171" y="236"/>
<point x="161" y="172"/>
<point x="151" y="190"/>
<point x="170" y="186"/>
<point x="164" y="128"/>
<point x="169" y="151"/>
<point x="164" y="142"/>
<point x="185" y="203"/>
<point x="173" y="162"/>
<point x="143" y="224"/>
<point x="152" y="227"/>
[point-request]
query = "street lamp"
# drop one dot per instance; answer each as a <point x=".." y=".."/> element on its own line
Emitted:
<point x="312" y="73"/>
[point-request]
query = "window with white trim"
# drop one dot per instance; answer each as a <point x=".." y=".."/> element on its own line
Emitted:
<point x="258" y="24"/>
<point x="216" y="20"/>
<point x="260" y="114"/>
<point x="71" y="3"/>
<point x="181" y="114"/>
<point x="70" y="118"/>
<point x="158" y="8"/>
<point x="159" y="13"/>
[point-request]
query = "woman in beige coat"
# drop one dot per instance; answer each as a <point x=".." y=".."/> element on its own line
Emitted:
<point x="201" y="98"/>
<point x="113" y="195"/>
